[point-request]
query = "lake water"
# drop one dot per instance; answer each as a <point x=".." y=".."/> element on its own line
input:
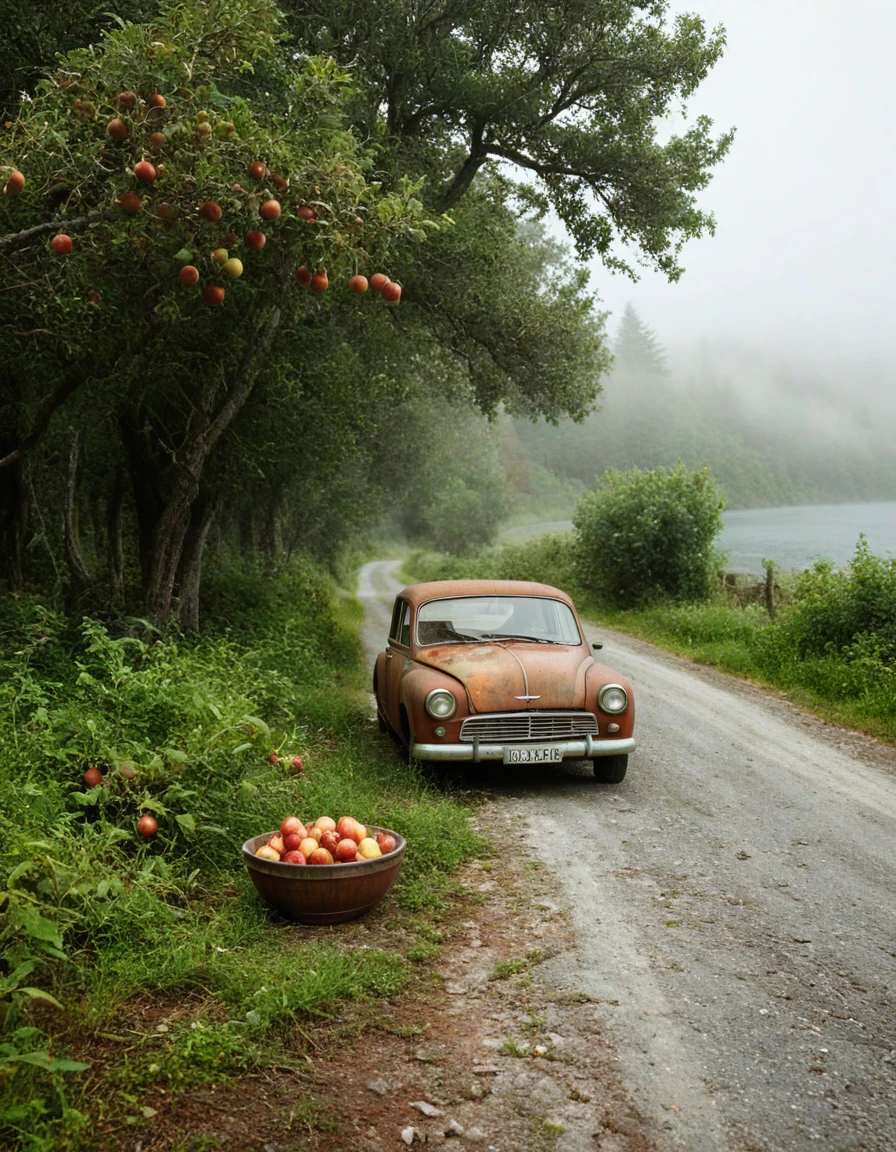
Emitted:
<point x="797" y="537"/>
<point x="792" y="537"/>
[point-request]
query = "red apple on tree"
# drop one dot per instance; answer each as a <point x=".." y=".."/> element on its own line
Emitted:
<point x="303" y="277"/>
<point x="257" y="170"/>
<point x="256" y="240"/>
<point x="118" y="130"/>
<point x="269" y="210"/>
<point x="93" y="777"/>
<point x="61" y="244"/>
<point x="377" y="280"/>
<point x="391" y="292"/>
<point x="145" y="171"/>
<point x="319" y="282"/>
<point x="306" y="213"/>
<point x="358" y="284"/>
<point x="189" y="275"/>
<point x="297" y="764"/>
<point x="211" y="211"/>
<point x="156" y="101"/>
<point x="213" y="294"/>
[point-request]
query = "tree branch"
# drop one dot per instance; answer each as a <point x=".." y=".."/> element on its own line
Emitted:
<point x="16" y="238"/>
<point x="47" y="410"/>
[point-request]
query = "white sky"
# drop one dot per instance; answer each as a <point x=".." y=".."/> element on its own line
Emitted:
<point x="804" y="257"/>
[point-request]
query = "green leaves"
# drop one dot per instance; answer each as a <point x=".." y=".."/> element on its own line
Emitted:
<point x="574" y="94"/>
<point x="644" y="536"/>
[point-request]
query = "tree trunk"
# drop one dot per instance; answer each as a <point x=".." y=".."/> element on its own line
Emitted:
<point x="115" y="541"/>
<point x="76" y="565"/>
<point x="190" y="576"/>
<point x="204" y="433"/>
<point x="13" y="521"/>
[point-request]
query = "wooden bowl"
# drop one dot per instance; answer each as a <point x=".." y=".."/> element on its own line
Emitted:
<point x="323" y="893"/>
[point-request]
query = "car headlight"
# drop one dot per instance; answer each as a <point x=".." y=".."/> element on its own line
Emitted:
<point x="612" y="698"/>
<point x="440" y="704"/>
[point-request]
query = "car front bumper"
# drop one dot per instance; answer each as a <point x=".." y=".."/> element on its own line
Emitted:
<point x="585" y="749"/>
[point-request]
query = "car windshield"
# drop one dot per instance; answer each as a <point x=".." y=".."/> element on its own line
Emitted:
<point x="472" y="619"/>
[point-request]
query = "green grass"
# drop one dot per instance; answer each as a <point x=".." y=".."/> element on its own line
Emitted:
<point x="95" y="919"/>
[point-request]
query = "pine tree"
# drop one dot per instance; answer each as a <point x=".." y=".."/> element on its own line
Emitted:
<point x="637" y="349"/>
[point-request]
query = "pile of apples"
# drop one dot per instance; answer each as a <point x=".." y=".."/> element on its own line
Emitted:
<point x="326" y="841"/>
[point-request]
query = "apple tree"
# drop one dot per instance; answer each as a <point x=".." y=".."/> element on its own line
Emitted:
<point x="176" y="202"/>
<point x="576" y="96"/>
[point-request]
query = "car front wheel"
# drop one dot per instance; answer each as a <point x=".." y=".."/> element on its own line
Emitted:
<point x="610" y="769"/>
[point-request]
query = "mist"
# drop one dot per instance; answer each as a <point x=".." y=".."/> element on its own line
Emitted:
<point x="800" y="269"/>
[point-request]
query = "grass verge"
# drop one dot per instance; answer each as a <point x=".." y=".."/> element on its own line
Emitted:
<point x="132" y="966"/>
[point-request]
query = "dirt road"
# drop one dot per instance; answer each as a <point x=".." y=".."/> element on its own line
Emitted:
<point x="734" y="907"/>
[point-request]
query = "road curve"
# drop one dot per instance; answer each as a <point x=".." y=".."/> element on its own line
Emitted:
<point x="734" y="906"/>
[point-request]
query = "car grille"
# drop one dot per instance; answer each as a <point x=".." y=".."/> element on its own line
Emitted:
<point x="506" y="727"/>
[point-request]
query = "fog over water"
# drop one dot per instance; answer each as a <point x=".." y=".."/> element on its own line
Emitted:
<point x="801" y="265"/>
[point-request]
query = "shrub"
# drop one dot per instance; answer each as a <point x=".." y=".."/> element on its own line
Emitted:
<point x="646" y="536"/>
<point x="847" y="612"/>
<point x="549" y="559"/>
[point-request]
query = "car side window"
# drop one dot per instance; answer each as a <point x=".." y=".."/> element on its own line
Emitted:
<point x="400" y="630"/>
<point x="404" y="637"/>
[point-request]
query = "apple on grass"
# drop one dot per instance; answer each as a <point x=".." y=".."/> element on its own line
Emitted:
<point x="147" y="826"/>
<point x="14" y="184"/>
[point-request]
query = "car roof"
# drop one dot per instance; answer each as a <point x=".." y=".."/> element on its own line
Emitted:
<point x="442" y="589"/>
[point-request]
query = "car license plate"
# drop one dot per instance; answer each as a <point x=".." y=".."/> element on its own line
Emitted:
<point x="533" y="754"/>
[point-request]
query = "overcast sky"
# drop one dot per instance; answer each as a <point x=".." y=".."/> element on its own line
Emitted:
<point x="804" y="256"/>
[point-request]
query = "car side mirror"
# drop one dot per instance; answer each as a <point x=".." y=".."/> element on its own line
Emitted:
<point x="595" y="644"/>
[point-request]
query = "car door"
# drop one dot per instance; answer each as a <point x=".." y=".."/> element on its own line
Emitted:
<point x="398" y="651"/>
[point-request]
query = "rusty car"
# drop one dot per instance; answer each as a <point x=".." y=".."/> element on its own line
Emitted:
<point x="500" y="670"/>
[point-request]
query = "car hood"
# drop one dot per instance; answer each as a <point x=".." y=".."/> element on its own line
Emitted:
<point x="493" y="674"/>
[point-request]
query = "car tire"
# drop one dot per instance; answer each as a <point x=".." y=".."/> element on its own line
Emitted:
<point x="610" y="769"/>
